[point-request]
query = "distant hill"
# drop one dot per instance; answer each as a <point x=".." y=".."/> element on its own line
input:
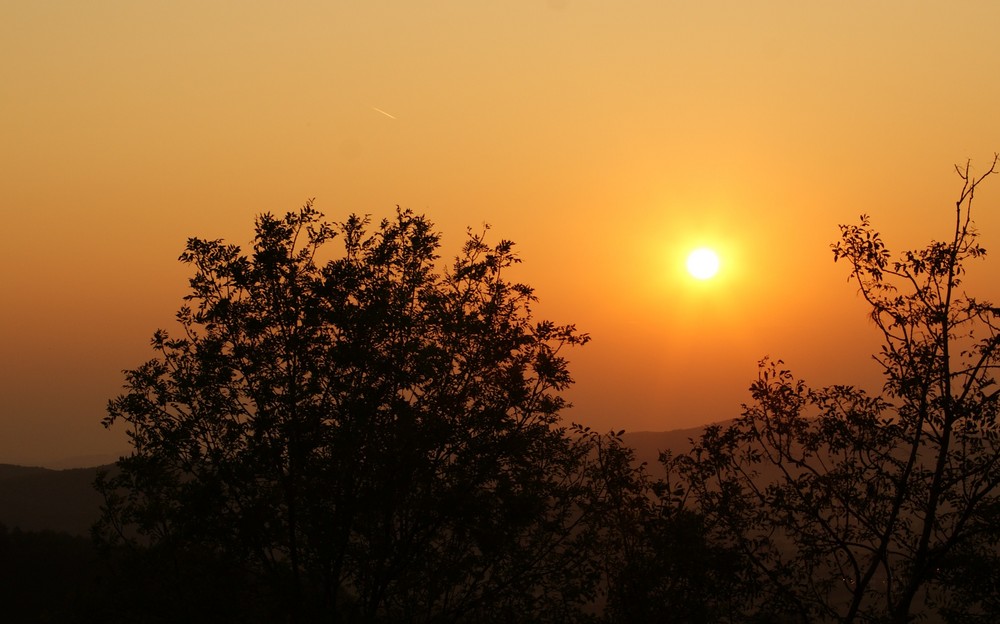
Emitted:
<point x="39" y="499"/>
<point x="649" y="444"/>
<point x="82" y="461"/>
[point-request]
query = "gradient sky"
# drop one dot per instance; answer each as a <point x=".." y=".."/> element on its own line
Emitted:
<point x="606" y="138"/>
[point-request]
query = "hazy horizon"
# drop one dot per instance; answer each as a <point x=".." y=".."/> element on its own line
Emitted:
<point x="606" y="140"/>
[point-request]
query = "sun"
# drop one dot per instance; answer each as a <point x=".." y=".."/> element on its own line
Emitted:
<point x="703" y="263"/>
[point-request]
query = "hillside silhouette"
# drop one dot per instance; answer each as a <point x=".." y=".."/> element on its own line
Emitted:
<point x="649" y="444"/>
<point x="65" y="501"/>
<point x="40" y="499"/>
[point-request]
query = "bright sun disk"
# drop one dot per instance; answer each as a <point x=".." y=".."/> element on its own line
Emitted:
<point x="703" y="263"/>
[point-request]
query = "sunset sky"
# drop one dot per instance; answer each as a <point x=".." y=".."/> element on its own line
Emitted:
<point x="608" y="139"/>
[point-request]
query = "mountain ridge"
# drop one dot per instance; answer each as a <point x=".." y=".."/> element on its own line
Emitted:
<point x="35" y="498"/>
<point x="42" y="499"/>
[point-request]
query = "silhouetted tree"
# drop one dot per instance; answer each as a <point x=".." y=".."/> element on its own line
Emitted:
<point x="669" y="570"/>
<point x="850" y="507"/>
<point x="368" y="436"/>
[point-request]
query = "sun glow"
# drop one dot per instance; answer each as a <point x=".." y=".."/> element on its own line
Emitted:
<point x="703" y="263"/>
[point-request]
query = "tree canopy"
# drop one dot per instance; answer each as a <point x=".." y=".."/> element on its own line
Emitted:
<point x="367" y="435"/>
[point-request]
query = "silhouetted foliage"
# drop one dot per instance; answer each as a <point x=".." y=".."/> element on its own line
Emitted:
<point x="48" y="577"/>
<point x="849" y="507"/>
<point x="168" y="582"/>
<point x="360" y="434"/>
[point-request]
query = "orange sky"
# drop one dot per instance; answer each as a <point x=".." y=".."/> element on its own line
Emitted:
<point x="606" y="138"/>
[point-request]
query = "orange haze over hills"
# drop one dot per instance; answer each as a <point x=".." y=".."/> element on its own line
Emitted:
<point x="606" y="139"/>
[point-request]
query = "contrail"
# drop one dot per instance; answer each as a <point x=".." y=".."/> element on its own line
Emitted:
<point x="379" y="110"/>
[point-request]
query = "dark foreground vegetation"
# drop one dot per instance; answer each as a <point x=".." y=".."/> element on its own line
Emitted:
<point x="361" y="437"/>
